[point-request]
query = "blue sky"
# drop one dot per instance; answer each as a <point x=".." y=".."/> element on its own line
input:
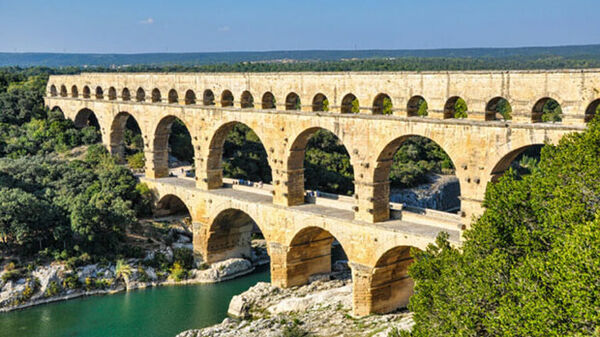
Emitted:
<point x="128" y="26"/>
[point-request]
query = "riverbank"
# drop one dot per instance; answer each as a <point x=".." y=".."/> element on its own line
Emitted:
<point x="322" y="308"/>
<point x="60" y="281"/>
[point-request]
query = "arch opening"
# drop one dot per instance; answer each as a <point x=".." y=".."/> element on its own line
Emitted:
<point x="522" y="161"/>
<point x="208" y="97"/>
<point x="417" y="106"/>
<point x="546" y="110"/>
<point x="63" y="91"/>
<point x="112" y="93"/>
<point x="323" y="162"/>
<point x="86" y="119"/>
<point x="173" y="96"/>
<point x="498" y="108"/>
<point x="53" y="91"/>
<point x="320" y="103"/>
<point x="234" y="234"/>
<point x="292" y="102"/>
<point x="455" y="107"/>
<point x="226" y="98"/>
<point x="420" y="175"/>
<point x="172" y="205"/>
<point x="126" y="95"/>
<point x="391" y="287"/>
<point x="268" y="101"/>
<point x="314" y="253"/>
<point x="126" y="140"/>
<point x="86" y="92"/>
<point x="74" y="92"/>
<point x="592" y="110"/>
<point x="382" y="105"/>
<point x="238" y="152"/>
<point x="156" y="96"/>
<point x="173" y="148"/>
<point x="350" y="104"/>
<point x="99" y="93"/>
<point x="247" y="100"/>
<point x="140" y="95"/>
<point x="190" y="97"/>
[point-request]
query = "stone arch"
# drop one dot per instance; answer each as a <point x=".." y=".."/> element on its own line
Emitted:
<point x="309" y="253"/>
<point x="214" y="162"/>
<point x="592" y="110"/>
<point x="86" y="92"/>
<point x="494" y="105"/>
<point x="53" y="91"/>
<point x="125" y="94"/>
<point x="63" y="91"/>
<point x="450" y="108"/>
<point x="140" y="95"/>
<point x="381" y="175"/>
<point x="74" y="92"/>
<point x="268" y="100"/>
<point x="156" y="96"/>
<point x="226" y="98"/>
<point x="171" y="204"/>
<point x="86" y="117"/>
<point x="414" y="105"/>
<point x="99" y="93"/>
<point x="208" y="97"/>
<point x="347" y="104"/>
<point x="382" y="105"/>
<point x="390" y="286"/>
<point x="117" y="133"/>
<point x="538" y="111"/>
<point x="507" y="159"/>
<point x="112" y="93"/>
<point x="247" y="101"/>
<point x="229" y="235"/>
<point x="292" y="101"/>
<point x="160" y="144"/>
<point x="173" y="97"/>
<point x="320" y="103"/>
<point x="295" y="164"/>
<point x="190" y="97"/>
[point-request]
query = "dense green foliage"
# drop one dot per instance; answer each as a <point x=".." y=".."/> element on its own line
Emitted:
<point x="530" y="265"/>
<point x="327" y="165"/>
<point x="244" y="156"/>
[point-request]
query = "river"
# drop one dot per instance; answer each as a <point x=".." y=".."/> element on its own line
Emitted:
<point x="152" y="312"/>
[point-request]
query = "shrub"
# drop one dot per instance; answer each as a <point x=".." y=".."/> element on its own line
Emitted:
<point x="178" y="273"/>
<point x="71" y="281"/>
<point x="184" y="256"/>
<point x="294" y="330"/>
<point x="52" y="289"/>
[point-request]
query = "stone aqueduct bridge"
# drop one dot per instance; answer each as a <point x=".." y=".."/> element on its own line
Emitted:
<point x="284" y="110"/>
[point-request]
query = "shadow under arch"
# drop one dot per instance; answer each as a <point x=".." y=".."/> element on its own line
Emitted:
<point x="230" y="235"/>
<point x="214" y="162"/>
<point x="310" y="253"/>
<point x="160" y="143"/>
<point x="383" y="168"/>
<point x="509" y="158"/>
<point x="86" y="117"/>
<point x="171" y="204"/>
<point x="390" y="286"/>
<point x="117" y="133"/>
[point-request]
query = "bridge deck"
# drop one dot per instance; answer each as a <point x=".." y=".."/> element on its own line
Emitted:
<point x="397" y="226"/>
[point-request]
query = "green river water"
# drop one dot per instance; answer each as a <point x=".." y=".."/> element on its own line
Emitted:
<point x="152" y="312"/>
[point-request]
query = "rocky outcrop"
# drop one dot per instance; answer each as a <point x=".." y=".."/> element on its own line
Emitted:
<point x="322" y="308"/>
<point x="440" y="194"/>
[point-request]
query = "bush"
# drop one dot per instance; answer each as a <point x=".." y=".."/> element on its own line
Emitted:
<point x="178" y="273"/>
<point x="136" y="161"/>
<point x="184" y="256"/>
<point x="294" y="330"/>
<point x="71" y="281"/>
<point x="52" y="289"/>
<point x="13" y="275"/>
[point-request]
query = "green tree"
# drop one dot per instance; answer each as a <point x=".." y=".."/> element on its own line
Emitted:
<point x="123" y="271"/>
<point x="460" y="108"/>
<point x="136" y="161"/>
<point x="529" y="265"/>
<point x="387" y="106"/>
<point x="355" y="106"/>
<point x="326" y="105"/>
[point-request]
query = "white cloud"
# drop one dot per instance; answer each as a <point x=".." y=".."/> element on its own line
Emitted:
<point x="224" y="29"/>
<point x="147" y="21"/>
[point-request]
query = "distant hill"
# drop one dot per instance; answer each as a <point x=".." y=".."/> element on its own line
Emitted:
<point x="195" y="59"/>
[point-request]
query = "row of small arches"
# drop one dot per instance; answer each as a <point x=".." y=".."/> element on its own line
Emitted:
<point x="497" y="108"/>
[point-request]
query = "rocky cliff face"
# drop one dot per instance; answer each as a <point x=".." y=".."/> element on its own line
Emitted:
<point x="440" y="194"/>
<point x="321" y="308"/>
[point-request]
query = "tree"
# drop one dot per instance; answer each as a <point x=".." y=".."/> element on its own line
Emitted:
<point x="387" y="106"/>
<point x="355" y="106"/>
<point x="123" y="271"/>
<point x="529" y="265"/>
<point x="460" y="108"/>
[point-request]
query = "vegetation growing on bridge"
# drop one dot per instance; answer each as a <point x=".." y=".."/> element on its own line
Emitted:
<point x="529" y="265"/>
